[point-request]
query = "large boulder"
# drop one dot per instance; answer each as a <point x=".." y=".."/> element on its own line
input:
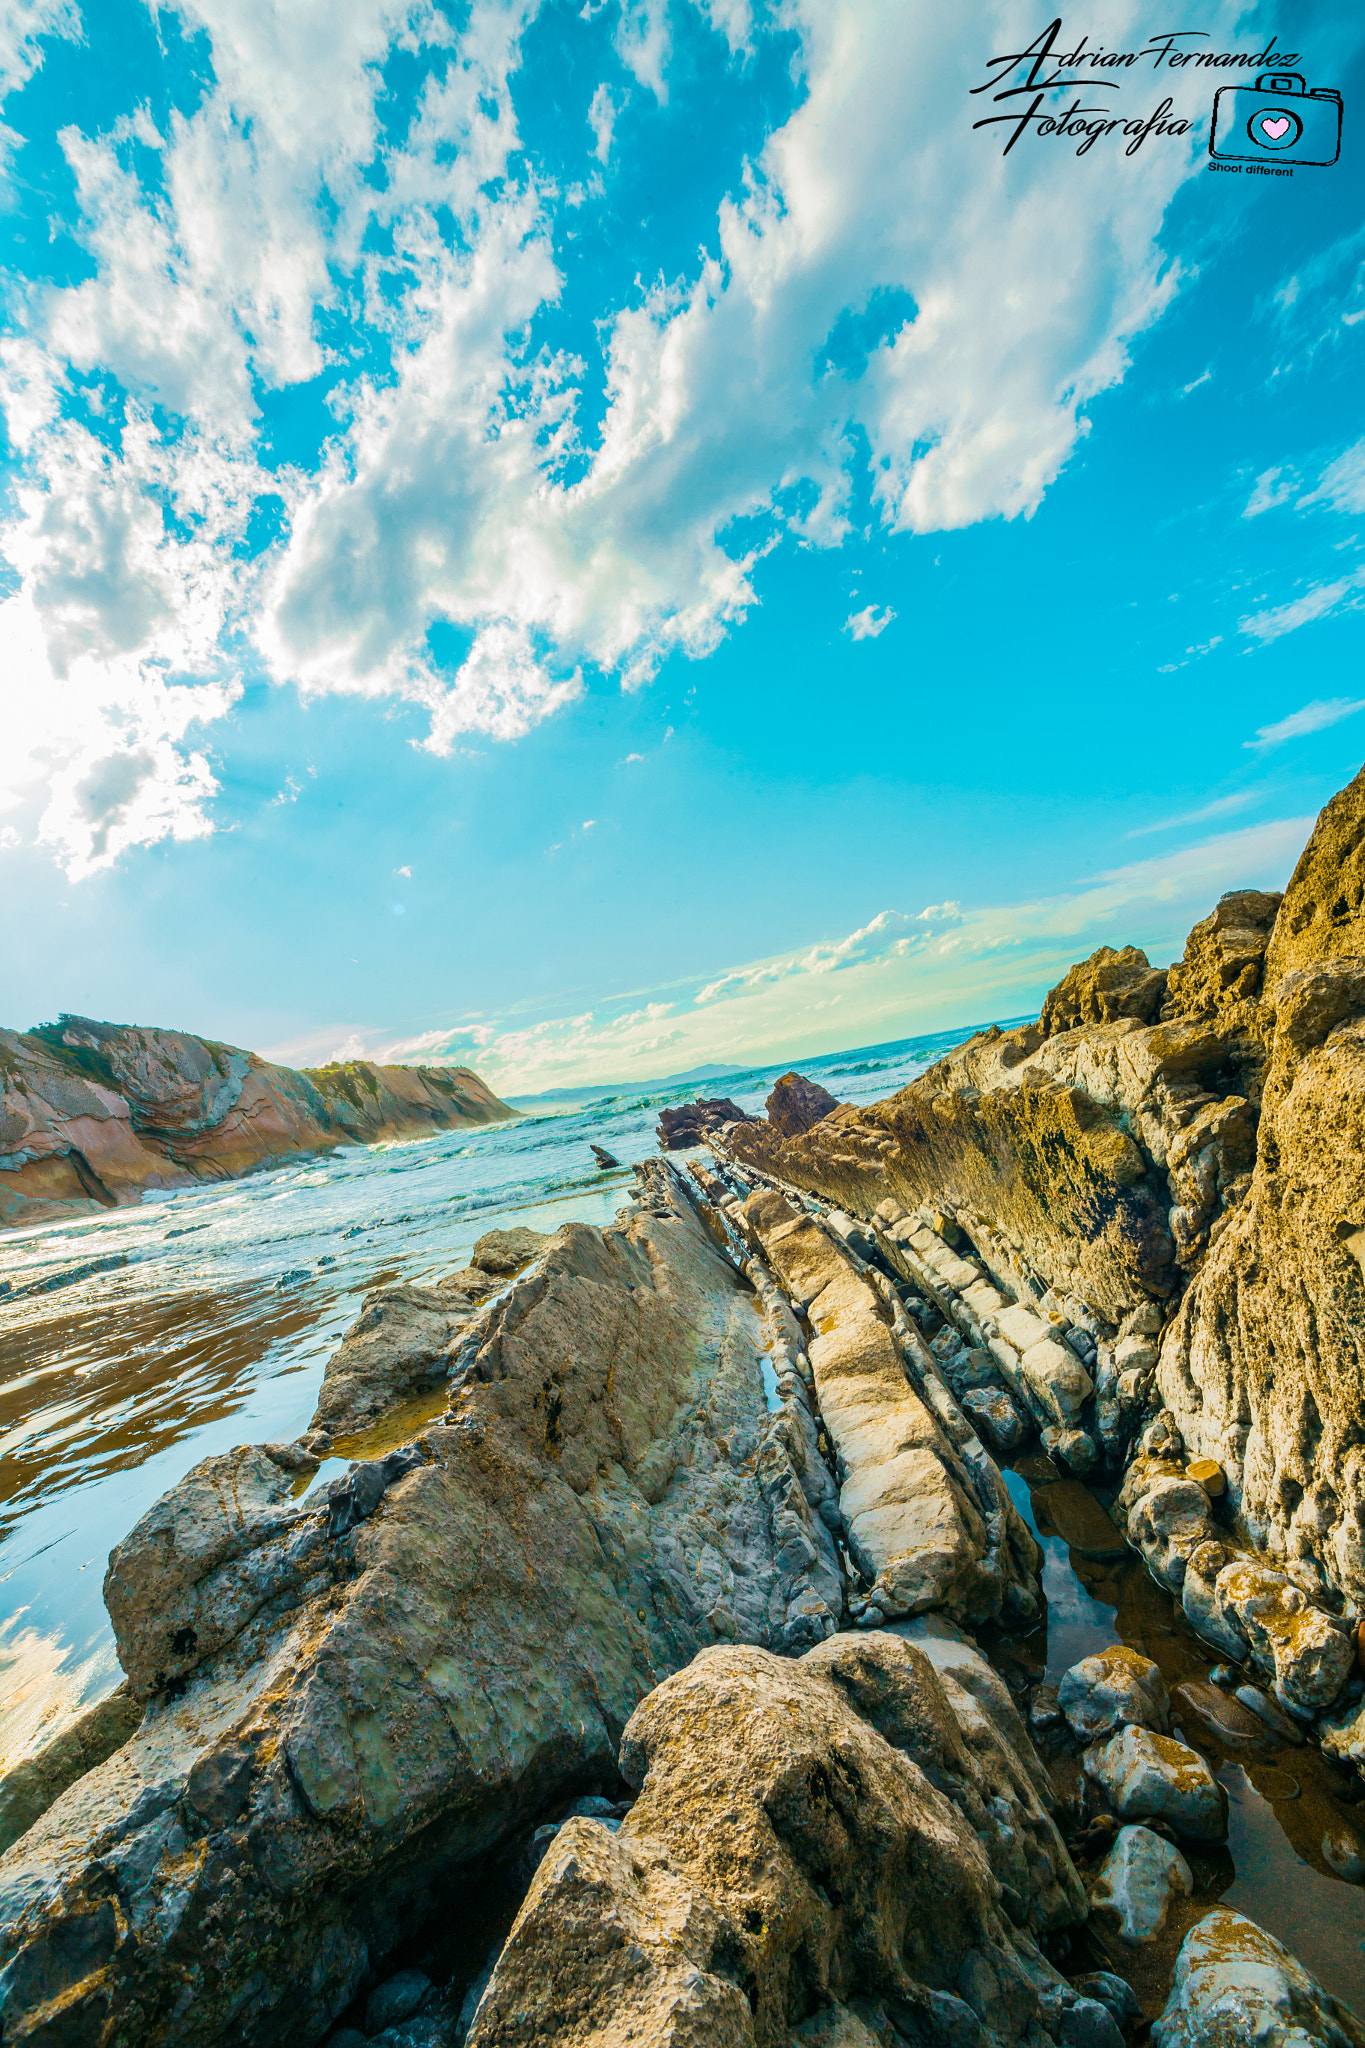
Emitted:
<point x="1115" y="1688"/>
<point x="796" y="1103"/>
<point x="815" y="1844"/>
<point x="1146" y="1776"/>
<point x="355" y="1694"/>
<point x="691" y="1122"/>
<point x="1224" y="955"/>
<point x="400" y="1345"/>
<point x="1235" y="1984"/>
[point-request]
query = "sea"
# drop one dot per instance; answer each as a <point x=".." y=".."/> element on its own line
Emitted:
<point x="138" y="1341"/>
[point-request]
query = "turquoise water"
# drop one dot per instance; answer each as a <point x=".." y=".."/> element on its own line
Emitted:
<point x="217" y="1327"/>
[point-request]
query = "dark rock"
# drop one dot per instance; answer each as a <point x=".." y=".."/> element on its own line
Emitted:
<point x="603" y="1157"/>
<point x="689" y="1123"/>
<point x="396" y="2000"/>
<point x="796" y="1103"/>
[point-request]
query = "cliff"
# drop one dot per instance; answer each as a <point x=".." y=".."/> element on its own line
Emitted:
<point x="1169" y="1165"/>
<point x="94" y="1115"/>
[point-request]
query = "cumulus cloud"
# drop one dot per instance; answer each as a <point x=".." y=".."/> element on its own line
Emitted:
<point x="470" y="495"/>
<point x="1315" y="717"/>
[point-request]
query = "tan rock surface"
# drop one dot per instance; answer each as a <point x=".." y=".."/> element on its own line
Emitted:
<point x="1263" y="1367"/>
<point x="808" y="1835"/>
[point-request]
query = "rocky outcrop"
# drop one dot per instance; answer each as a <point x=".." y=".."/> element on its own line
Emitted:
<point x="1262" y="1368"/>
<point x="690" y="1122"/>
<point x="925" y="1513"/>
<point x="93" y="1115"/>
<point x="796" y="1103"/>
<point x="405" y="1339"/>
<point x="1103" y="988"/>
<point x="818" y="1853"/>
<point x="351" y="1695"/>
<point x="1167" y="1174"/>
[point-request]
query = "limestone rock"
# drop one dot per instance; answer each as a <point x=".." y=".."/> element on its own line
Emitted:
<point x="805" y="1833"/>
<point x="1115" y="1688"/>
<point x="1235" y="1984"/>
<point x="610" y="1493"/>
<point x="1146" y="1776"/>
<point x="796" y="1103"/>
<point x="1224" y="955"/>
<point x="399" y="1346"/>
<point x="1263" y="1364"/>
<point x="1137" y="1881"/>
<point x="506" y="1252"/>
<point x="1107" y="986"/>
<point x="926" y="1513"/>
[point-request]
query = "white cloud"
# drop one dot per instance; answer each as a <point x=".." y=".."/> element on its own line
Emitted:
<point x="1206" y="377"/>
<point x="23" y="24"/>
<point x="896" y="976"/>
<point x="9" y="838"/>
<point x="1315" y="717"/>
<point x="602" y="121"/>
<point x="1343" y="482"/>
<point x="406" y="872"/>
<point x="1220" y="807"/>
<point x="869" y="622"/>
<point x="1273" y="487"/>
<point x="462" y="488"/>
<point x="1302" y="611"/>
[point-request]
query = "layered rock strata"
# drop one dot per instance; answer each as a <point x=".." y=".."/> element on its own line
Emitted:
<point x="1165" y="1178"/>
<point x="94" y="1115"/>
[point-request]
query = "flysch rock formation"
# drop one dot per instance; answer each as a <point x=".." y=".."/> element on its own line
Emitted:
<point x="648" y="1598"/>
<point x="94" y="1115"/>
<point x="1144" y="1219"/>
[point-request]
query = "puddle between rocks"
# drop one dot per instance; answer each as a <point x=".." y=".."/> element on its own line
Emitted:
<point x="1283" y="1799"/>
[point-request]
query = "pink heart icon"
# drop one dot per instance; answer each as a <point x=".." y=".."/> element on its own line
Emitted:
<point x="1275" y="129"/>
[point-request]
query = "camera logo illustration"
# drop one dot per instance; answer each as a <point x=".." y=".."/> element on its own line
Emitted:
<point x="1276" y="118"/>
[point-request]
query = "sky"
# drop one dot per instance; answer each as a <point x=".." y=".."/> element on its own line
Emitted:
<point x="587" y="539"/>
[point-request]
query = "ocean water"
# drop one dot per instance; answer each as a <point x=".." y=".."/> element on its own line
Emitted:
<point x="214" y="1315"/>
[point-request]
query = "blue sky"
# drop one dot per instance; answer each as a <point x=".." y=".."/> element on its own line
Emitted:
<point x="591" y="539"/>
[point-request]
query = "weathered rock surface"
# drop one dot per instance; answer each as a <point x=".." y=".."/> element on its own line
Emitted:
<point x="1107" y="986"/>
<point x="1116" y="1688"/>
<point x="401" y="1344"/>
<point x="30" y="1788"/>
<point x="1146" y="1776"/>
<point x="796" y="1103"/>
<point x="926" y="1515"/>
<point x="815" y="1846"/>
<point x="354" y="1695"/>
<point x="1235" y="1984"/>
<point x="1262" y="1367"/>
<point x="93" y="1115"/>
<point x="690" y="1122"/>
<point x="1137" y="1881"/>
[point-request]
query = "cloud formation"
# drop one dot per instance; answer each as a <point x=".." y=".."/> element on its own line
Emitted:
<point x="1315" y="717"/>
<point x="898" y="975"/>
<point x="299" y="224"/>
